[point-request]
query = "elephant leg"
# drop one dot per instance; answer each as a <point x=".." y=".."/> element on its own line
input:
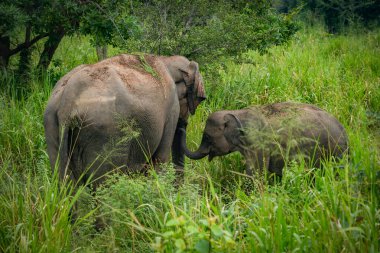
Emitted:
<point x="248" y="170"/>
<point x="178" y="154"/>
<point x="162" y="153"/>
<point x="257" y="161"/>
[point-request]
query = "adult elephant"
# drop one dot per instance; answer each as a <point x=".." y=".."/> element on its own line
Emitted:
<point x="121" y="113"/>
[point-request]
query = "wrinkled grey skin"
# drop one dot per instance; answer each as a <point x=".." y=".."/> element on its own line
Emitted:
<point x="94" y="110"/>
<point x="269" y="135"/>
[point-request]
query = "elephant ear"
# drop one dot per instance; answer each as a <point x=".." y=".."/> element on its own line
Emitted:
<point x="233" y="129"/>
<point x="198" y="82"/>
<point x="194" y="84"/>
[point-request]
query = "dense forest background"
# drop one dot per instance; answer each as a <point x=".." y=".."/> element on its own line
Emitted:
<point x="201" y="30"/>
<point x="250" y="52"/>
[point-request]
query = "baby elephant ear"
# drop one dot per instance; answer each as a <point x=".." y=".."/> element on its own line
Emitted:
<point x="233" y="129"/>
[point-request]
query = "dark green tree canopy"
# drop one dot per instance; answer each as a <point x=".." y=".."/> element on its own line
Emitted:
<point x="199" y="29"/>
<point x="24" y="22"/>
<point x="204" y="30"/>
<point x="337" y="14"/>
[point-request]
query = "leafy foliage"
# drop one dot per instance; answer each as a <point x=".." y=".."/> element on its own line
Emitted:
<point x="11" y="18"/>
<point x="207" y="30"/>
<point x="107" y="21"/>
<point x="338" y="15"/>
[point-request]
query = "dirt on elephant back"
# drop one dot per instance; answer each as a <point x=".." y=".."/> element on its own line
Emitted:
<point x="277" y="110"/>
<point x="272" y="110"/>
<point x="65" y="79"/>
<point x="143" y="63"/>
<point x="131" y="68"/>
<point x="286" y="109"/>
<point x="101" y="73"/>
<point x="125" y="61"/>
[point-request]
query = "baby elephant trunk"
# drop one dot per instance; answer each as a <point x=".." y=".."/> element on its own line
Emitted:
<point x="196" y="155"/>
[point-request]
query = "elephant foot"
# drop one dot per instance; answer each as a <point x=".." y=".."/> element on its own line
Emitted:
<point x="179" y="176"/>
<point x="146" y="168"/>
<point x="100" y="224"/>
<point x="249" y="171"/>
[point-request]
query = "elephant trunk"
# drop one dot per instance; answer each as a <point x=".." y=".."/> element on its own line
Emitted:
<point x="199" y="154"/>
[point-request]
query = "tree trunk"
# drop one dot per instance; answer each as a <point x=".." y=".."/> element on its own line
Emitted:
<point x="101" y="52"/>
<point x="5" y="52"/>
<point x="50" y="47"/>
<point x="24" y="61"/>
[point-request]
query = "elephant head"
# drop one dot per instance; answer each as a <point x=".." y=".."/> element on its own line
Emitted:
<point x="222" y="135"/>
<point x="190" y="92"/>
<point x="188" y="81"/>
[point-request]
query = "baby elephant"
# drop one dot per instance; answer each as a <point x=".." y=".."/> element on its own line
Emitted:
<point x="271" y="135"/>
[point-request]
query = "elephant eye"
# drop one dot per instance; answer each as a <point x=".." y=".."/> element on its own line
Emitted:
<point x="208" y="139"/>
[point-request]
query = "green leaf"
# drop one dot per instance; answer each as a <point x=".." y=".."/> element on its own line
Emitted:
<point x="202" y="246"/>
<point x="172" y="222"/>
<point x="204" y="222"/>
<point x="192" y="229"/>
<point x="216" y="230"/>
<point x="180" y="244"/>
<point x="176" y="221"/>
<point x="168" y="234"/>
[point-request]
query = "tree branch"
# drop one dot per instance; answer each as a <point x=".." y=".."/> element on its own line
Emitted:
<point x="26" y="44"/>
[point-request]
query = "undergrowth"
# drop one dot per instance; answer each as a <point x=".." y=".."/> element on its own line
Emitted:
<point x="217" y="208"/>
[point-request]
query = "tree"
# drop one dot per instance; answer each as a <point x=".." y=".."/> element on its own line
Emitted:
<point x="205" y="30"/>
<point x="337" y="14"/>
<point x="106" y="21"/>
<point x="341" y="13"/>
<point x="200" y="29"/>
<point x="54" y="19"/>
<point x="16" y="16"/>
<point x="109" y="23"/>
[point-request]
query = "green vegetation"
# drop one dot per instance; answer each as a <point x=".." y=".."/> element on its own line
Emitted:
<point x="199" y="29"/>
<point x="24" y="23"/>
<point x="217" y="209"/>
<point x="146" y="66"/>
<point x="338" y="15"/>
<point x="205" y="31"/>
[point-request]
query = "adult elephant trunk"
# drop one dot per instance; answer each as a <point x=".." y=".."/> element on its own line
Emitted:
<point x="202" y="151"/>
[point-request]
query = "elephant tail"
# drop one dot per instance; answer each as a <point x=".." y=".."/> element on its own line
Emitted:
<point x="51" y="128"/>
<point x="58" y="141"/>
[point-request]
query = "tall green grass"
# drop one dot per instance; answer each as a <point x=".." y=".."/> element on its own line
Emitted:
<point x="217" y="209"/>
